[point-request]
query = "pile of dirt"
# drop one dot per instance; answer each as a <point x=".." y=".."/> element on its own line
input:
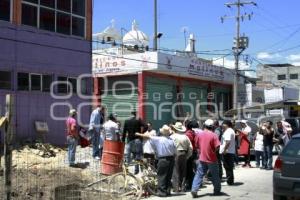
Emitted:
<point x="42" y="184"/>
<point x="43" y="150"/>
<point x="38" y="155"/>
<point x="40" y="171"/>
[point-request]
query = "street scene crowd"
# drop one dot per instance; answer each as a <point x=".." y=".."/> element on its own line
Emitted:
<point x="184" y="153"/>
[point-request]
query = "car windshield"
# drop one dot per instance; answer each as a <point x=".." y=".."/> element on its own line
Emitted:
<point x="292" y="149"/>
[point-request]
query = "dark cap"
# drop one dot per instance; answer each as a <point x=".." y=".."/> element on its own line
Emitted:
<point x="228" y="123"/>
<point x="112" y="116"/>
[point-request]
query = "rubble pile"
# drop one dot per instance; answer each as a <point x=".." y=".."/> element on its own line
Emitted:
<point x="42" y="150"/>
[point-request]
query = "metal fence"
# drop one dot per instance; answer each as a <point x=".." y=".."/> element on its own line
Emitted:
<point x="41" y="172"/>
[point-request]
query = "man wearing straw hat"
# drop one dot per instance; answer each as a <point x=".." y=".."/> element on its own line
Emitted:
<point x="165" y="151"/>
<point x="184" y="149"/>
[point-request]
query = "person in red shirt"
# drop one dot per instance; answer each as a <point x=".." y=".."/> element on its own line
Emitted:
<point x="72" y="136"/>
<point x="207" y="144"/>
<point x="191" y="162"/>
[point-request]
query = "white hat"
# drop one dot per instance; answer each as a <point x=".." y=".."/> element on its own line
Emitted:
<point x="287" y="127"/>
<point x="72" y="112"/>
<point x="244" y="121"/>
<point x="209" y="123"/>
<point x="179" y="127"/>
<point x="165" y="130"/>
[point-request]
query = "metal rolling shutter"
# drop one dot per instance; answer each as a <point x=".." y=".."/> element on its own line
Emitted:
<point x="222" y="95"/>
<point x="123" y="99"/>
<point x="194" y="95"/>
<point x="155" y="88"/>
<point x="120" y="103"/>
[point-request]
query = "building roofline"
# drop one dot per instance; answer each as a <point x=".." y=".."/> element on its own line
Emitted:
<point x="279" y="65"/>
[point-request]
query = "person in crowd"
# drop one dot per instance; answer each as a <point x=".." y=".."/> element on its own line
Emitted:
<point x="134" y="144"/>
<point x="111" y="129"/>
<point x="259" y="150"/>
<point x="165" y="151"/>
<point x="187" y="119"/>
<point x="227" y="150"/>
<point x="246" y="131"/>
<point x="208" y="144"/>
<point x="218" y="131"/>
<point x="244" y="147"/>
<point x="191" y="162"/>
<point x="268" y="133"/>
<point x="149" y="153"/>
<point x="287" y="129"/>
<point x="184" y="151"/>
<point x="279" y="129"/>
<point x="72" y="136"/>
<point x="171" y="124"/>
<point x="279" y="133"/>
<point x="237" y="144"/>
<point x="95" y="128"/>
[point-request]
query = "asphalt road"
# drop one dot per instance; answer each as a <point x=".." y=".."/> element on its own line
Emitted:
<point x="250" y="183"/>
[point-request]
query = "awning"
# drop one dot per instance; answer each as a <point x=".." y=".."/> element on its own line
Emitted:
<point x="259" y="108"/>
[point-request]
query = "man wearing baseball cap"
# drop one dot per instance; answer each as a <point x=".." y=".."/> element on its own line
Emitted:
<point x="72" y="136"/>
<point x="207" y="144"/>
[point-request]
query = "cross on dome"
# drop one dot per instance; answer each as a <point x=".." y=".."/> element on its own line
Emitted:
<point x="113" y="23"/>
<point x="134" y="25"/>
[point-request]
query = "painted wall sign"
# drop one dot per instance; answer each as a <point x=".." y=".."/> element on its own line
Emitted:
<point x="201" y="68"/>
<point x="118" y="64"/>
<point x="197" y="67"/>
<point x="160" y="62"/>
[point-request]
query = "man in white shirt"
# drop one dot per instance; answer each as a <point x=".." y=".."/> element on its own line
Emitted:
<point x="111" y="129"/>
<point x="227" y="150"/>
<point x="148" y="150"/>
<point x="165" y="151"/>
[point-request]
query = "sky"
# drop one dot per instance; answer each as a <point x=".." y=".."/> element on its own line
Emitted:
<point x="274" y="29"/>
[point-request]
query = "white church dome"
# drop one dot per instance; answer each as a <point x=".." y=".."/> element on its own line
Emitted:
<point x="135" y="37"/>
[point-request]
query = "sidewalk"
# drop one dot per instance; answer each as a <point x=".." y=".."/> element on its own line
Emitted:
<point x="250" y="183"/>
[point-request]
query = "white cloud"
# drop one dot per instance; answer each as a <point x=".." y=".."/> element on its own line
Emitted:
<point x="267" y="56"/>
<point x="294" y="57"/>
<point x="296" y="63"/>
<point x="229" y="63"/>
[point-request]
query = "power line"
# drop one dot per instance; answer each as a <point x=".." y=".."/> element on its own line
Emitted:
<point x="169" y="50"/>
<point x="283" y="41"/>
<point x="285" y="50"/>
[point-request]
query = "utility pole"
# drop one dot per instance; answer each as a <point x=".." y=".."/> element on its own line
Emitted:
<point x="240" y="43"/>
<point x="155" y="26"/>
<point x="8" y="146"/>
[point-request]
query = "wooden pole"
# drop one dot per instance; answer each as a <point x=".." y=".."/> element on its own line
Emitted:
<point x="8" y="146"/>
